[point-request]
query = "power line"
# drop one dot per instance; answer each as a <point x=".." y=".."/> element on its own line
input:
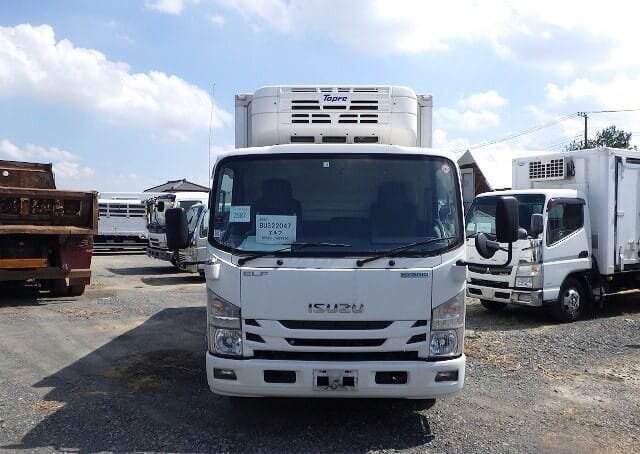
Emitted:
<point x="543" y="126"/>
<point x="521" y="133"/>
<point x="612" y="111"/>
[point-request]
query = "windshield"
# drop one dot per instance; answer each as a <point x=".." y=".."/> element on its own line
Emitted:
<point x="369" y="202"/>
<point x="193" y="214"/>
<point x="481" y="217"/>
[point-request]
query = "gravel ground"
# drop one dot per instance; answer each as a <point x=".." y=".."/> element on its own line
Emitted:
<point x="122" y="369"/>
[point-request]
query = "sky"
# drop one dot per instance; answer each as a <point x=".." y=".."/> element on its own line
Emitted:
<point x="122" y="95"/>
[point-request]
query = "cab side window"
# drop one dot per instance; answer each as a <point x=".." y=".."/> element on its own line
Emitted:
<point x="564" y="218"/>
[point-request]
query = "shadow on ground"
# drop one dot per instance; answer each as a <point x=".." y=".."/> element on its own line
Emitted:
<point x="520" y="317"/>
<point x="14" y="296"/>
<point x="144" y="270"/>
<point x="146" y="391"/>
<point x="173" y="280"/>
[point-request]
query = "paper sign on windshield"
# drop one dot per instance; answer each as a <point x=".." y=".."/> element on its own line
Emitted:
<point x="275" y="229"/>
<point x="240" y="214"/>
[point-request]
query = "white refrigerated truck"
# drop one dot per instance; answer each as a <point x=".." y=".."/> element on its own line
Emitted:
<point x="156" y="224"/>
<point x="580" y="237"/>
<point x="336" y="249"/>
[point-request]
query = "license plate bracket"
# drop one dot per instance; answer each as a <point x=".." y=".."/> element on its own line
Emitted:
<point x="335" y="379"/>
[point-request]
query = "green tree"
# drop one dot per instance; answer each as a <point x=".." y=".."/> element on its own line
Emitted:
<point x="608" y="137"/>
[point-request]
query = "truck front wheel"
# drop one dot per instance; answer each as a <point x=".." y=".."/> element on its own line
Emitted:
<point x="571" y="301"/>
<point x="76" y="290"/>
<point x="493" y="306"/>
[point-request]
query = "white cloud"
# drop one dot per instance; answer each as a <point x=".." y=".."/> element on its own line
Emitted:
<point x="33" y="64"/>
<point x="66" y="165"/>
<point x="166" y="6"/>
<point x="277" y="14"/>
<point x="487" y="100"/>
<point x="467" y="120"/>
<point x="558" y="36"/>
<point x="619" y="93"/>
<point x="217" y="19"/>
<point x="442" y="141"/>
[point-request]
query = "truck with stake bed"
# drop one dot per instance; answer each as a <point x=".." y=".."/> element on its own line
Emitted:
<point x="579" y="238"/>
<point x="336" y="255"/>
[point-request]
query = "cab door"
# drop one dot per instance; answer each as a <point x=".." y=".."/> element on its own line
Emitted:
<point x="627" y="227"/>
<point x="566" y="243"/>
<point x="201" y="238"/>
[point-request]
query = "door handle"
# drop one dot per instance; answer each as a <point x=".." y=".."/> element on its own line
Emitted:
<point x="583" y="254"/>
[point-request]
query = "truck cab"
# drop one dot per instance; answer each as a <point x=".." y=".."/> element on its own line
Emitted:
<point x="336" y="252"/>
<point x="528" y="280"/>
<point x="156" y="223"/>
<point x="579" y="243"/>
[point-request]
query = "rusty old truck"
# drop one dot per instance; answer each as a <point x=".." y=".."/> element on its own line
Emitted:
<point x="46" y="234"/>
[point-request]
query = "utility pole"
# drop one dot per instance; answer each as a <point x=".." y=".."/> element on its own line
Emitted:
<point x="585" y="116"/>
<point x="213" y="97"/>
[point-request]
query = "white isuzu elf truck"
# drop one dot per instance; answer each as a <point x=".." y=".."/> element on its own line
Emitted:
<point x="580" y="233"/>
<point x="336" y="249"/>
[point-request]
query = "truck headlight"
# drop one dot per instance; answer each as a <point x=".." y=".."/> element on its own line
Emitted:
<point x="447" y="328"/>
<point x="221" y="313"/>
<point x="449" y="314"/>
<point x="443" y="343"/>
<point x="225" y="341"/>
<point x="223" y="318"/>
<point x="528" y="275"/>
<point x="524" y="282"/>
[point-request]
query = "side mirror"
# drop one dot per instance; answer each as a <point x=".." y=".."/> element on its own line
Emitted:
<point x="486" y="247"/>
<point x="160" y="206"/>
<point x="537" y="225"/>
<point x="177" y="229"/>
<point x="507" y="222"/>
<point x="522" y="234"/>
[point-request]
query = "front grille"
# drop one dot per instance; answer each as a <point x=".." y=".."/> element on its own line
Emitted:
<point x="318" y="339"/>
<point x="504" y="271"/>
<point x="337" y="356"/>
<point x="485" y="283"/>
<point x="334" y="325"/>
<point x="335" y="342"/>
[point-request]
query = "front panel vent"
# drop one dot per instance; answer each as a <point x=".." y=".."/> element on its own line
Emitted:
<point x="552" y="169"/>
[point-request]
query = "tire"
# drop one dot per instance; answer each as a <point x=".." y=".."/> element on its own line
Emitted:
<point x="76" y="290"/>
<point x="572" y="301"/>
<point x="493" y="306"/>
<point x="59" y="288"/>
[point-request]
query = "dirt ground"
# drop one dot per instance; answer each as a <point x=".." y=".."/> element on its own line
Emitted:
<point x="121" y="369"/>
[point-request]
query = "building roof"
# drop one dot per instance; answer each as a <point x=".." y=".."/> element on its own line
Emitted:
<point x="178" y="185"/>
<point x="495" y="163"/>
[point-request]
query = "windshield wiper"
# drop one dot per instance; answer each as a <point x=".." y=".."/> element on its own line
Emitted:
<point x="287" y="247"/>
<point x="395" y="251"/>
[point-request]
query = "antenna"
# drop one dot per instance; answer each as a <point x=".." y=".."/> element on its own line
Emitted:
<point x="213" y="96"/>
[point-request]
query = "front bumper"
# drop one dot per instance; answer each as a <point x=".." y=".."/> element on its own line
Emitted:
<point x="506" y="295"/>
<point x="250" y="381"/>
